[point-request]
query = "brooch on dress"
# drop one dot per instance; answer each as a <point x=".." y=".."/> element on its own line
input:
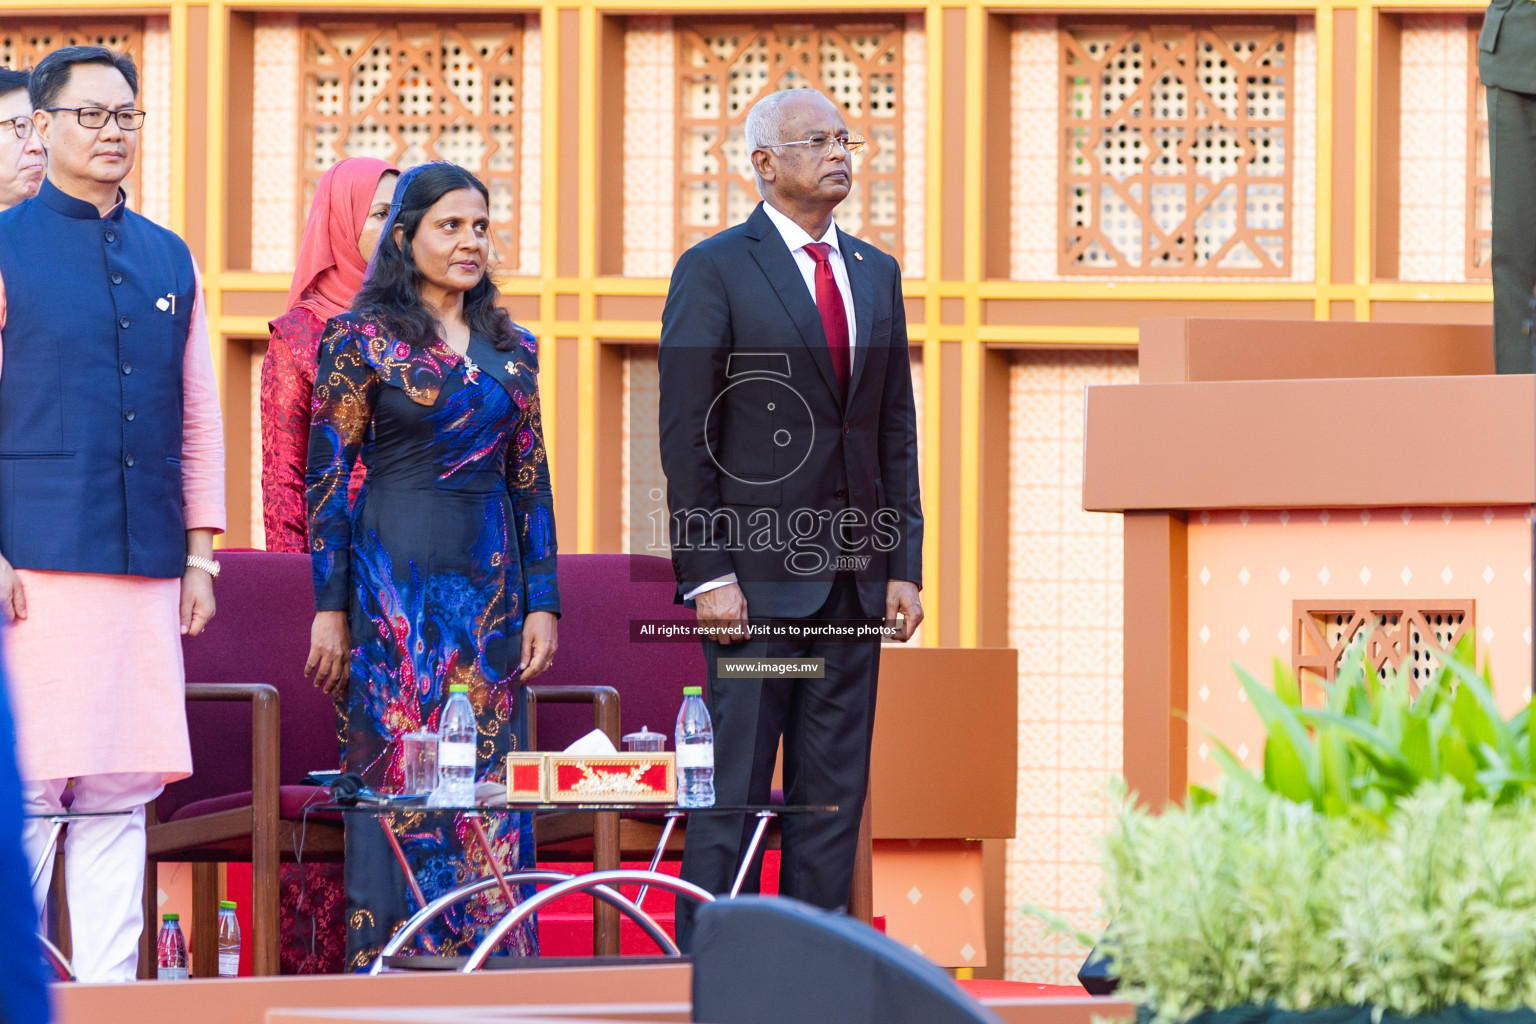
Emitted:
<point x="471" y="371"/>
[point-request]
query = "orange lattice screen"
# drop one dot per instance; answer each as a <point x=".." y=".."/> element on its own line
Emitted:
<point x="1394" y="635"/>
<point x="1479" y="167"/>
<point x="722" y="68"/>
<point x="1177" y="144"/>
<point x="416" y="92"/>
<point x="23" y="44"/>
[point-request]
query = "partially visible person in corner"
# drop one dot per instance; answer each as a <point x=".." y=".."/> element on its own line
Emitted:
<point x="112" y="452"/>
<point x="23" y="980"/>
<point x="22" y="159"/>
<point x="1506" y="62"/>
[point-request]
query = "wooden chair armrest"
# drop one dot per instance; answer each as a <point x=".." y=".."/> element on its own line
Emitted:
<point x="266" y="730"/>
<point x="266" y="759"/>
<point x="604" y="701"/>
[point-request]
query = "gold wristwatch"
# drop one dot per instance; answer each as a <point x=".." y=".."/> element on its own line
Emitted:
<point x="208" y="565"/>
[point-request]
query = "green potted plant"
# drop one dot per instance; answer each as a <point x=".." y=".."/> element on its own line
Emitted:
<point x="1381" y="865"/>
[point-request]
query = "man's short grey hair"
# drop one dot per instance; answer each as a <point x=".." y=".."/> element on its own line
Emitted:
<point x="764" y="126"/>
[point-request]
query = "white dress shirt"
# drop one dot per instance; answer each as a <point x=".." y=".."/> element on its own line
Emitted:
<point x="796" y="239"/>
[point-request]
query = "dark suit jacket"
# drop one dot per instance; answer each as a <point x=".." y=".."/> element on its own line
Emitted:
<point x="1507" y="46"/>
<point x="770" y="473"/>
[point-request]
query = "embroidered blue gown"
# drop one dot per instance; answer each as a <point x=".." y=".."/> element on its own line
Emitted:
<point x="450" y="544"/>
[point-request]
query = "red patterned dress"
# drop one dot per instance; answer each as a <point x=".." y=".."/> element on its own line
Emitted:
<point x="287" y="390"/>
<point x="312" y="902"/>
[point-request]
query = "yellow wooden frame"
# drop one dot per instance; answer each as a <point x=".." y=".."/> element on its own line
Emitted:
<point x="930" y="333"/>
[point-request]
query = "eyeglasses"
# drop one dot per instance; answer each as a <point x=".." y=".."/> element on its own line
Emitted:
<point x="824" y="143"/>
<point x="22" y="126"/>
<point x="96" y="117"/>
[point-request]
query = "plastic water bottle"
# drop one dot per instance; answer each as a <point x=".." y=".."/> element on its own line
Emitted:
<point x="456" y="751"/>
<point x="229" y="940"/>
<point x="172" y="946"/>
<point x="695" y="751"/>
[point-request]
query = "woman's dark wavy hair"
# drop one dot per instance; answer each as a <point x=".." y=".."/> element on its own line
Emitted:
<point x="392" y="289"/>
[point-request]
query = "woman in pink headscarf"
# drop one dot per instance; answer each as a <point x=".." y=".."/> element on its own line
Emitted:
<point x="350" y="206"/>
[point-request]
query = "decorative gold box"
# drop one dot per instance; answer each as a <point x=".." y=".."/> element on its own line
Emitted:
<point x="525" y="778"/>
<point x="592" y="778"/>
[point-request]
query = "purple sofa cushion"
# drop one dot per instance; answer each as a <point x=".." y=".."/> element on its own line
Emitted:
<point x="291" y="801"/>
<point x="260" y="634"/>
<point x="599" y="596"/>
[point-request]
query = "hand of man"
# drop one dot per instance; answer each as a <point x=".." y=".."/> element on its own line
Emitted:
<point x="12" y="600"/>
<point x="901" y="601"/>
<point x="196" y="601"/>
<point x="722" y="614"/>
<point x="540" y="641"/>
<point x="330" y="651"/>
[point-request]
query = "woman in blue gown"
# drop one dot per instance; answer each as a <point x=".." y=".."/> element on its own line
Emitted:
<point x="444" y="570"/>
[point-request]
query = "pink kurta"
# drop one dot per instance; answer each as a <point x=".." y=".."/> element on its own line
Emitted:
<point x="96" y="678"/>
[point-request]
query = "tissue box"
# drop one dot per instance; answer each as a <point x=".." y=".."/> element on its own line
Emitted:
<point x="592" y="778"/>
<point x="622" y="778"/>
<point x="525" y="778"/>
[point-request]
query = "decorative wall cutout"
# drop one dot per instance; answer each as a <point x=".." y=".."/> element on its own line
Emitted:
<point x="1177" y="148"/>
<point x="1479" y="167"/>
<point x="23" y="44"/>
<point x="413" y="93"/>
<point x="723" y="68"/>
<point x="1410" y="635"/>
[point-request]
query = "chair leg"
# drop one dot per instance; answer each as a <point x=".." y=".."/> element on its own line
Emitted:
<point x="205" y="920"/>
<point x="605" y="857"/>
<point x="148" y="939"/>
<point x="264" y="916"/>
<point x="58" y="907"/>
<point x="861" y="904"/>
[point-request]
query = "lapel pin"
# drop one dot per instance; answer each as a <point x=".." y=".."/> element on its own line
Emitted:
<point x="511" y="368"/>
<point x="858" y="256"/>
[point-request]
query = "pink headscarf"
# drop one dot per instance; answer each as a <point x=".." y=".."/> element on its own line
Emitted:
<point x="330" y="270"/>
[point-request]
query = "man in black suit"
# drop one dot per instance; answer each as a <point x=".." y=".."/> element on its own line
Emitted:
<point x="789" y="441"/>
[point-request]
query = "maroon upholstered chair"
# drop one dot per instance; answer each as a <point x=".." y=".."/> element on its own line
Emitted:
<point x="258" y="726"/>
<point x="600" y="595"/>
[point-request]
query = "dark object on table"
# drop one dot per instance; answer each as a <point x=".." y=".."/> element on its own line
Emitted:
<point x="1096" y="975"/>
<point x="763" y="960"/>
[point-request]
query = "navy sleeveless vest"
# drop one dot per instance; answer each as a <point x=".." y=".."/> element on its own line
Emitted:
<point x="98" y="310"/>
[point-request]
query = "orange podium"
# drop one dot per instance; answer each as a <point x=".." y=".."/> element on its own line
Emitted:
<point x="1292" y="490"/>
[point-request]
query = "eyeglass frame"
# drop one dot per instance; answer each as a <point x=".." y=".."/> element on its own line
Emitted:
<point x="111" y="115"/>
<point x="15" y="124"/>
<point x="850" y="144"/>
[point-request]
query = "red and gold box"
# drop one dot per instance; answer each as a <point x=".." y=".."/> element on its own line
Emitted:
<point x="592" y="778"/>
<point x="623" y="778"/>
<point x="525" y="778"/>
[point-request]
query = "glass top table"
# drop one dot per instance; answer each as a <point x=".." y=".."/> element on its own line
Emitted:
<point x="601" y="885"/>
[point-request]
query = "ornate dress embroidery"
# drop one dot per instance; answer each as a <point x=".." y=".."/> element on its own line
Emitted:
<point x="451" y="543"/>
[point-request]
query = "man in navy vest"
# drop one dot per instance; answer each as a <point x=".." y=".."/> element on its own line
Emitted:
<point x="111" y="489"/>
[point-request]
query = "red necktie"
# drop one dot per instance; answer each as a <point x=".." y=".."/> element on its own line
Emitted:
<point x="834" y="316"/>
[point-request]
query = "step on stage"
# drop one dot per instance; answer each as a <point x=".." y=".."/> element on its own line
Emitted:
<point x="600" y="991"/>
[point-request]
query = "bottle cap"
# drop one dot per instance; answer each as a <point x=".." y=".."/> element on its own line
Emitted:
<point x="170" y="917"/>
<point x="693" y="691"/>
<point x="458" y="687"/>
<point x="226" y="904"/>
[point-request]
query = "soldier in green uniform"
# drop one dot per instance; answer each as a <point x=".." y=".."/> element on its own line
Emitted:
<point x="1506" y="60"/>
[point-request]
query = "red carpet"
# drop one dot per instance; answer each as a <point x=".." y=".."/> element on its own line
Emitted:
<point x="986" y="988"/>
<point x="565" y="926"/>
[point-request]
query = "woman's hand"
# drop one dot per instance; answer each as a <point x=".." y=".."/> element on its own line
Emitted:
<point x="330" y="651"/>
<point x="539" y="643"/>
<point x="12" y="601"/>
